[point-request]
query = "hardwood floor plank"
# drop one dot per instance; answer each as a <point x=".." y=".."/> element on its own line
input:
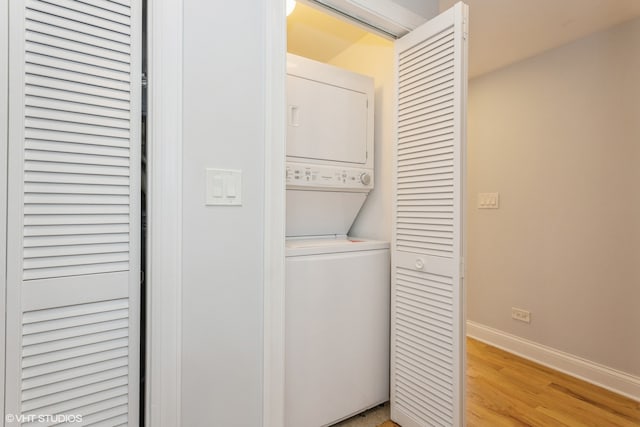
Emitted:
<point x="604" y="399"/>
<point x="584" y="411"/>
<point x="516" y="405"/>
<point x="480" y="416"/>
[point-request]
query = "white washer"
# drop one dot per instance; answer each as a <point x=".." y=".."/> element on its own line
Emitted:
<point x="337" y="329"/>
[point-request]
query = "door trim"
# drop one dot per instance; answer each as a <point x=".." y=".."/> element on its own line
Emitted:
<point x="164" y="214"/>
<point x="274" y="214"/>
<point x="4" y="142"/>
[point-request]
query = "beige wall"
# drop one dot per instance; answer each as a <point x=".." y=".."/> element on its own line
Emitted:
<point x="373" y="56"/>
<point x="558" y="135"/>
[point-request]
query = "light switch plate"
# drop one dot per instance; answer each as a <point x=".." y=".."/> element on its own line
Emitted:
<point x="488" y="200"/>
<point x="224" y="187"/>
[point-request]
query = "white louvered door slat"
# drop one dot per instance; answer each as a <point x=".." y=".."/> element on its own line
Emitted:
<point x="74" y="207"/>
<point x="427" y="343"/>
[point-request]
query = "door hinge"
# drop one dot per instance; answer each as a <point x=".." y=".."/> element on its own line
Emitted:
<point x="144" y="81"/>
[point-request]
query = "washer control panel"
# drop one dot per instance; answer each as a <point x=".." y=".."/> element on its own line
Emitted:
<point x="305" y="175"/>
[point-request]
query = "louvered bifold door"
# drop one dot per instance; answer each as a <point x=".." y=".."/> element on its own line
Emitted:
<point x="427" y="368"/>
<point x="73" y="213"/>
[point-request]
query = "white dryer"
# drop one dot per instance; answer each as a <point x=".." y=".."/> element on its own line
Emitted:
<point x="337" y="294"/>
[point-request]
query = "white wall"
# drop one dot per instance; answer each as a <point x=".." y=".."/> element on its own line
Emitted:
<point x="425" y="8"/>
<point x="373" y="56"/>
<point x="224" y="85"/>
<point x="558" y="135"/>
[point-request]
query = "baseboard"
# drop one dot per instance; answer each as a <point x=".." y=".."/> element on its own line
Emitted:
<point x="611" y="379"/>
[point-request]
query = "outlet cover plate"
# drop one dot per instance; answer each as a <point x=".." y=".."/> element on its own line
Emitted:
<point x="521" y="315"/>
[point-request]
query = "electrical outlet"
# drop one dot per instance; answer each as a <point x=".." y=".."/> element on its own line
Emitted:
<point x="521" y="315"/>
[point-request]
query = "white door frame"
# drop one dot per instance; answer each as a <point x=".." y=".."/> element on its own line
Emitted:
<point x="164" y="213"/>
<point x="4" y="142"/>
<point x="164" y="198"/>
<point x="274" y="210"/>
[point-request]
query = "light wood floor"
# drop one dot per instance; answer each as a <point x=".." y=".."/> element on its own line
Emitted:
<point x="507" y="390"/>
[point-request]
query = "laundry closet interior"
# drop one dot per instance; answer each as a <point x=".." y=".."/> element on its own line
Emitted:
<point x="337" y="294"/>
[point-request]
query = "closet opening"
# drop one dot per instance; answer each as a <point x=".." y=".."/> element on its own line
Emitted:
<point x="414" y="206"/>
<point x="339" y="108"/>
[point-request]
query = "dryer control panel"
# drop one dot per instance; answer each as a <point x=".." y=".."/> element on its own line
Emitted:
<point x="310" y="176"/>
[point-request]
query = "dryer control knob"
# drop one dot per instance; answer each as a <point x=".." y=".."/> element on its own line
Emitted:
<point x="365" y="178"/>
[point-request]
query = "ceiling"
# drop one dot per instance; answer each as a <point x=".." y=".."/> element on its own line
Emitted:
<point x="317" y="35"/>
<point x="501" y="31"/>
<point x="505" y="31"/>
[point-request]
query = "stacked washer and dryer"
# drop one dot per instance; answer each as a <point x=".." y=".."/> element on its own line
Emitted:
<point x="337" y="286"/>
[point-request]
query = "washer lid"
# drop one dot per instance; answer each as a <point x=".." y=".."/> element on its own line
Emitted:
<point x="331" y="244"/>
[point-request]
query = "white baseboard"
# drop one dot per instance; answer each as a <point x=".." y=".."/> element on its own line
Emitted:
<point x="611" y="379"/>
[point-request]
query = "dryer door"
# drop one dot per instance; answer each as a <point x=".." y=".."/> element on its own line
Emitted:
<point x="326" y="122"/>
<point x="330" y="114"/>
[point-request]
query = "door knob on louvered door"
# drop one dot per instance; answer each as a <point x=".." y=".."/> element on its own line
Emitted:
<point x="419" y="264"/>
